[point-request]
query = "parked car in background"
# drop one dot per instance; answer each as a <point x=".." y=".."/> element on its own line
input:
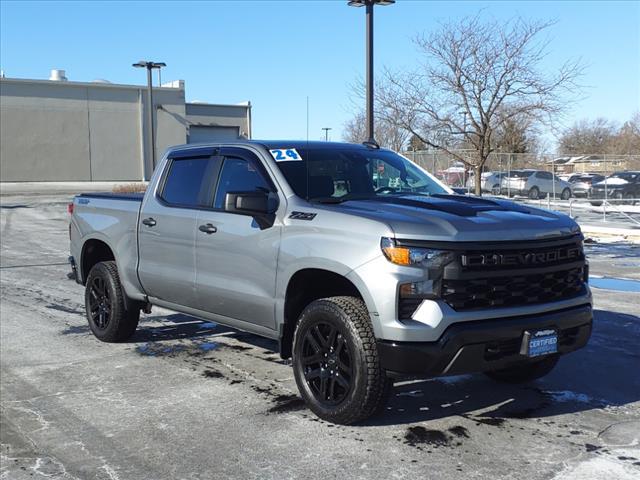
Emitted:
<point x="581" y="183"/>
<point x="619" y="186"/>
<point x="490" y="182"/>
<point x="534" y="184"/>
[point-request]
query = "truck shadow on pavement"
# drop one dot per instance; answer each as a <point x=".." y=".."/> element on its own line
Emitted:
<point x="600" y="376"/>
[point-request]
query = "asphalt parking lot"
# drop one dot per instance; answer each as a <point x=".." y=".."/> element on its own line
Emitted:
<point x="187" y="399"/>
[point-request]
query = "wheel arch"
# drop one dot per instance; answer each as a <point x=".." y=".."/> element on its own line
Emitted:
<point x="305" y="286"/>
<point x="94" y="250"/>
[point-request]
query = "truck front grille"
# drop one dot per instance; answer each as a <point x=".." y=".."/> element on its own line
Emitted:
<point x="513" y="290"/>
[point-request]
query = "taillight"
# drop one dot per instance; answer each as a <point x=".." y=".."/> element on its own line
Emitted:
<point x="70" y="208"/>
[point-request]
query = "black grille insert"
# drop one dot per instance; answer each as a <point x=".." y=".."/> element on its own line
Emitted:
<point x="513" y="290"/>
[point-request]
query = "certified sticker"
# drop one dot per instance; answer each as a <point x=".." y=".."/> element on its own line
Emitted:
<point x="285" y="154"/>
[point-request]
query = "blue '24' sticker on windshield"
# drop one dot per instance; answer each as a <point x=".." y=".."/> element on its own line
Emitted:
<point x="285" y="154"/>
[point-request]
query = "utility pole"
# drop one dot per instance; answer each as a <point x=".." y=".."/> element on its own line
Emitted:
<point x="369" y="4"/>
<point x="326" y="133"/>
<point x="150" y="110"/>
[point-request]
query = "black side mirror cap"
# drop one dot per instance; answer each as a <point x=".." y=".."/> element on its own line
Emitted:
<point x="261" y="205"/>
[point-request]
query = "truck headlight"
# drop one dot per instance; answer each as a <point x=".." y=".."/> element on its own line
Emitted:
<point x="413" y="256"/>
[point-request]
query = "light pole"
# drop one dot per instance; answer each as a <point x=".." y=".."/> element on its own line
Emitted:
<point x="150" y="110"/>
<point x="369" y="4"/>
<point x="326" y="133"/>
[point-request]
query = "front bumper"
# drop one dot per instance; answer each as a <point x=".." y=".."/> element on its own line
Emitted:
<point x="611" y="193"/>
<point x="484" y="345"/>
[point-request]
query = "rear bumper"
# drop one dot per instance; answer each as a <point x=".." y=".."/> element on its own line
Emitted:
<point x="481" y="345"/>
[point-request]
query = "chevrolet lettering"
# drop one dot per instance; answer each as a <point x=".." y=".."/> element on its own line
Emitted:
<point x="530" y="258"/>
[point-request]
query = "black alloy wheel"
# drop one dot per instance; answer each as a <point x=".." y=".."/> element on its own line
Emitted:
<point x="99" y="303"/>
<point x="112" y="316"/>
<point x="336" y="362"/>
<point x="327" y="363"/>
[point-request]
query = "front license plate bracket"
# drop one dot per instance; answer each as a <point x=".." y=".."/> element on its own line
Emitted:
<point x="537" y="343"/>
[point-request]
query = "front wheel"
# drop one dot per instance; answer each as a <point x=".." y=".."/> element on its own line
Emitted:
<point x="566" y="194"/>
<point x="109" y="319"/>
<point x="526" y="372"/>
<point x="336" y="363"/>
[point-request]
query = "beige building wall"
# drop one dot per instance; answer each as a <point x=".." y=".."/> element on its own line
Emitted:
<point x="74" y="131"/>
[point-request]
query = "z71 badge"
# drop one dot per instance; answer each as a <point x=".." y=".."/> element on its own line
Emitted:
<point x="302" y="215"/>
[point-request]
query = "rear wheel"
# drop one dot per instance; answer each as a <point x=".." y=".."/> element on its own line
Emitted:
<point x="495" y="190"/>
<point x="335" y="361"/>
<point x="109" y="319"/>
<point x="526" y="372"/>
<point x="534" y="193"/>
<point x="629" y="199"/>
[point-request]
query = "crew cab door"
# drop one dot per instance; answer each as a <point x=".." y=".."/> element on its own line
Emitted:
<point x="168" y="225"/>
<point x="236" y="255"/>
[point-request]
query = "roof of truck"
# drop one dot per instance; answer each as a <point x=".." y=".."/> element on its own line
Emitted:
<point x="302" y="144"/>
<point x="277" y="144"/>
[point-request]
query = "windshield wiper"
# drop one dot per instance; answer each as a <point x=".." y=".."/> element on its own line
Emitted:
<point x="344" y="198"/>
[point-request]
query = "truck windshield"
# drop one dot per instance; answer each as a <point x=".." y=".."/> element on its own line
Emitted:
<point x="336" y="175"/>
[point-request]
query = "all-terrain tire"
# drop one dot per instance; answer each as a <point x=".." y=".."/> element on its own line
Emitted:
<point x="368" y="385"/>
<point x="526" y="372"/>
<point x="104" y="298"/>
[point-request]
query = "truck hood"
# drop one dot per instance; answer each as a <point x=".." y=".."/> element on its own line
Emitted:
<point x="461" y="218"/>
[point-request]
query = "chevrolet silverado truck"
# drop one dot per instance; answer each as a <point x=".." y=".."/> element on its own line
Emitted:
<point x="359" y="263"/>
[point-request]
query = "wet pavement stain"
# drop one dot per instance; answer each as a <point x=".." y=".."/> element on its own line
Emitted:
<point x="492" y="421"/>
<point x="419" y="435"/>
<point x="62" y="308"/>
<point x="459" y="431"/>
<point x="76" y="330"/>
<point x="287" y="403"/>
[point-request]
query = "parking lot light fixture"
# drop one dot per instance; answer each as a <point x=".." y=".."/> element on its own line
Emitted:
<point x="150" y="111"/>
<point x="369" y="4"/>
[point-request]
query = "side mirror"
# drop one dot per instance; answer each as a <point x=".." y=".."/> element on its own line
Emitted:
<point x="260" y="205"/>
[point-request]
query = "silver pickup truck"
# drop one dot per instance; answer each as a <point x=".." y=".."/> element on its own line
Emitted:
<point x="363" y="266"/>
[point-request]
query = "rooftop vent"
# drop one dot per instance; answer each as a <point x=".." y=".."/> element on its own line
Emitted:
<point x="58" y="75"/>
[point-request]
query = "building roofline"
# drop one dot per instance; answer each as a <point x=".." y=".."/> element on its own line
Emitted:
<point x="218" y="104"/>
<point x="83" y="84"/>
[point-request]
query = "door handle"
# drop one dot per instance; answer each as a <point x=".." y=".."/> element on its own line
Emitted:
<point x="208" y="229"/>
<point x="149" y="222"/>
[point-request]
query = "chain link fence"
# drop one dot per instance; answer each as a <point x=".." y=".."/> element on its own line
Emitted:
<point x="453" y="172"/>
<point x="615" y="209"/>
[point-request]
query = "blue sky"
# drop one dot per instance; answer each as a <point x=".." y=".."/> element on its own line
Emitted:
<point x="278" y="53"/>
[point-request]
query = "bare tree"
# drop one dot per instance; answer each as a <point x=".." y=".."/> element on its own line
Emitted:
<point x="387" y="133"/>
<point x="627" y="140"/>
<point x="475" y="78"/>
<point x="585" y="137"/>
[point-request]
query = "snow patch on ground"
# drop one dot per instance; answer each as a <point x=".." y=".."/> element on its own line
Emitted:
<point x="452" y="380"/>
<point x="564" y="396"/>
<point x="599" y="468"/>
